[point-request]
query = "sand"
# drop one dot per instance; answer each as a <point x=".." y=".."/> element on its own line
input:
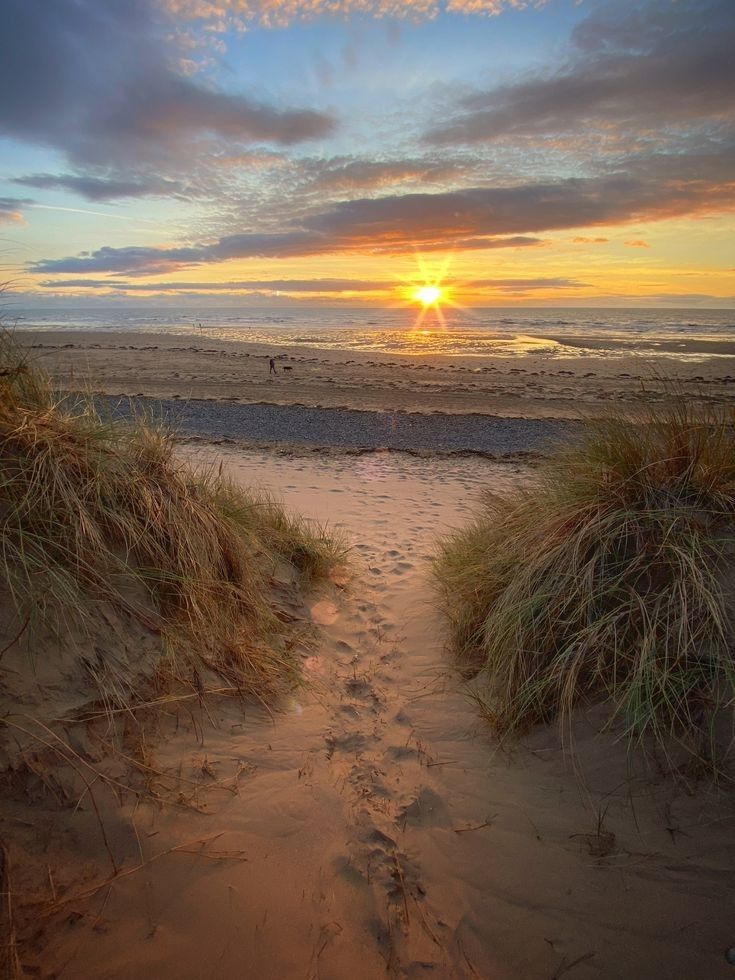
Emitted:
<point x="372" y="826"/>
<point x="562" y="385"/>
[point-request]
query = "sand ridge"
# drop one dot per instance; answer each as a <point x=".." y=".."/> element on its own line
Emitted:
<point x="382" y="831"/>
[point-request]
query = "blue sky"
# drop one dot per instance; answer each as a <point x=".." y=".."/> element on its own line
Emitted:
<point x="584" y="149"/>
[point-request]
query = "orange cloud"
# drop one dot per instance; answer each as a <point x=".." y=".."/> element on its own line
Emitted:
<point x="278" y="13"/>
<point x="637" y="243"/>
<point x="10" y="210"/>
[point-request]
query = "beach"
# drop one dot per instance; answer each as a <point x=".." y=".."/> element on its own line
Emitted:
<point x="370" y="825"/>
<point x="546" y="385"/>
<point x="367" y="490"/>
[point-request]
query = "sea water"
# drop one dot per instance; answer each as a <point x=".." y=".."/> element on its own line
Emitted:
<point x="407" y="330"/>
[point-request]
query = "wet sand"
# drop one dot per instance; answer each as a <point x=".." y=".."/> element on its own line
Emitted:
<point x="550" y="384"/>
<point x="372" y="826"/>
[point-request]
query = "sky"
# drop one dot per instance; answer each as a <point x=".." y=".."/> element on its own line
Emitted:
<point x="566" y="152"/>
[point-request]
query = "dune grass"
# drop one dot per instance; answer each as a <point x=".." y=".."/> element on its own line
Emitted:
<point x="611" y="580"/>
<point x="95" y="511"/>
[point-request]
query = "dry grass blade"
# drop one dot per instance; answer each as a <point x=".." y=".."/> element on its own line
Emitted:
<point x="194" y="847"/>
<point x="9" y="964"/>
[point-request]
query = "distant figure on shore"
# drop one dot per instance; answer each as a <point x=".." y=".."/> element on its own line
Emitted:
<point x="273" y="366"/>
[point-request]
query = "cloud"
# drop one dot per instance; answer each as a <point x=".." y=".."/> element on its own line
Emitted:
<point x="661" y="188"/>
<point x="522" y="285"/>
<point x="144" y="261"/>
<point x="242" y="285"/>
<point x="345" y="174"/>
<point x="11" y="209"/>
<point x="644" y="189"/>
<point x="130" y="259"/>
<point x="100" y="81"/>
<point x="305" y="285"/>
<point x="637" y="243"/>
<point x="280" y="13"/>
<point x="102" y="188"/>
<point x="584" y="240"/>
<point x="644" y="67"/>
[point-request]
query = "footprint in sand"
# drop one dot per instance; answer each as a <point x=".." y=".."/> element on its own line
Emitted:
<point x="323" y="613"/>
<point x="313" y="665"/>
<point x="340" y="576"/>
<point x="427" y="810"/>
<point x="349" y="742"/>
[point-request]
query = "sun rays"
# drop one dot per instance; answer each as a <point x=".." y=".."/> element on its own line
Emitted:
<point x="433" y="290"/>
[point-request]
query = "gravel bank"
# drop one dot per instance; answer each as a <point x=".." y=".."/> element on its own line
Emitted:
<point x="346" y="428"/>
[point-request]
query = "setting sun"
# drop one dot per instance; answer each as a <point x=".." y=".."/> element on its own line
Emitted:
<point x="428" y="295"/>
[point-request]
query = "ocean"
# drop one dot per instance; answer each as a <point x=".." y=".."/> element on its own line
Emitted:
<point x="680" y="333"/>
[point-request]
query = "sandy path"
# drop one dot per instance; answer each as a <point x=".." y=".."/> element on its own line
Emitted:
<point x="383" y="832"/>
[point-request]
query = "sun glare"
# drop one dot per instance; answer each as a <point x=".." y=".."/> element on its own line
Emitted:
<point x="428" y="295"/>
<point x="432" y="291"/>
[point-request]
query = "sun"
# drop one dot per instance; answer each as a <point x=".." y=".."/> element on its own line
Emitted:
<point x="428" y="295"/>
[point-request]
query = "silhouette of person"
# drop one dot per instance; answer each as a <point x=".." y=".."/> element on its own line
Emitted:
<point x="273" y="366"/>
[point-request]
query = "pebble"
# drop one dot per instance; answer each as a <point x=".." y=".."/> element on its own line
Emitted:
<point x="355" y="429"/>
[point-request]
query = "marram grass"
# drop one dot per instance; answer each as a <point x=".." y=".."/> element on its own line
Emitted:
<point x="611" y="580"/>
<point x="100" y="511"/>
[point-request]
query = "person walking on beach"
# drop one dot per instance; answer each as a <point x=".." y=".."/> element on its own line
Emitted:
<point x="273" y="367"/>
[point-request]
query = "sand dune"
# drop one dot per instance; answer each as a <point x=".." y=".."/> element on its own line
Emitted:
<point x="372" y="827"/>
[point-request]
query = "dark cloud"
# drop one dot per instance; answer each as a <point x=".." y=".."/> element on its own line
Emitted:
<point x="473" y="218"/>
<point x="242" y="285"/>
<point x="641" y="67"/>
<point x="131" y="259"/>
<point x="305" y="285"/>
<point x="143" y="261"/>
<point x="102" y="188"/>
<point x="100" y="80"/>
<point x="656" y="188"/>
<point x="11" y="209"/>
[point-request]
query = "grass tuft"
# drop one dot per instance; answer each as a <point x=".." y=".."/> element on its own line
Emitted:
<point x="611" y="580"/>
<point x="96" y="512"/>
